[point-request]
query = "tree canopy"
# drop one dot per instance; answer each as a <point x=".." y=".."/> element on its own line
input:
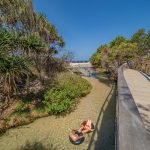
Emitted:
<point x="117" y="41"/>
<point x="121" y="50"/>
<point x="28" y="40"/>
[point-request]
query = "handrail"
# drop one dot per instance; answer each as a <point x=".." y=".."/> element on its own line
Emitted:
<point x="130" y="131"/>
<point x="144" y="67"/>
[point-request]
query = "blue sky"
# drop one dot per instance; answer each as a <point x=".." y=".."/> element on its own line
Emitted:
<point x="86" y="24"/>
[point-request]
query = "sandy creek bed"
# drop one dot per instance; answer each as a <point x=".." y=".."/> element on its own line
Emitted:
<point x="48" y="131"/>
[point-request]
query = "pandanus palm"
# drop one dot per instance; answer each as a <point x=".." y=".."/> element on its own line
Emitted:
<point x="34" y="36"/>
<point x="13" y="68"/>
<point x="31" y="44"/>
<point x="13" y="71"/>
<point x="8" y="42"/>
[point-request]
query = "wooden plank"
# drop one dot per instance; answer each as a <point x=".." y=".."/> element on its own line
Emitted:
<point x="131" y="133"/>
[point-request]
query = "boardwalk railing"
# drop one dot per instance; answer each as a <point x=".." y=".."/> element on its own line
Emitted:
<point x="130" y="131"/>
<point x="144" y="67"/>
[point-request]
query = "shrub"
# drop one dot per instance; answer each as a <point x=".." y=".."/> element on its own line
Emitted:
<point x="22" y="107"/>
<point x="62" y="97"/>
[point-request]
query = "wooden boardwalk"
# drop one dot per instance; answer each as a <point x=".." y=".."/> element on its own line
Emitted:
<point x="139" y="87"/>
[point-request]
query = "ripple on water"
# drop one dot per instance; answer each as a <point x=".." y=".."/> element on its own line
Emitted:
<point x="53" y="132"/>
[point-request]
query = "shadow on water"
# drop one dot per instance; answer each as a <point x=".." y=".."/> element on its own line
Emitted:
<point x="36" y="146"/>
<point x="103" y="78"/>
<point x="103" y="137"/>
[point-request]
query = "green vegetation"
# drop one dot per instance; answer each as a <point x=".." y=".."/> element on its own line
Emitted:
<point x="62" y="97"/>
<point x="33" y="81"/>
<point x="120" y="50"/>
<point x="28" y="42"/>
<point x="59" y="99"/>
<point x="68" y="88"/>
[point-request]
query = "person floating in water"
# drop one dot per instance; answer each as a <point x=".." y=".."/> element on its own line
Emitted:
<point x="85" y="127"/>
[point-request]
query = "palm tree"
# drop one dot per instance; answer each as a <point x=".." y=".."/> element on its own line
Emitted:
<point x="28" y="34"/>
<point x="13" y="70"/>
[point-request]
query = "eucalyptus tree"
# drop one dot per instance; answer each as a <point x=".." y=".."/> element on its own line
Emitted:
<point x="111" y="56"/>
<point x="138" y="36"/>
<point x="96" y="58"/>
<point x="117" y="41"/>
<point x="147" y="45"/>
<point x="124" y="52"/>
